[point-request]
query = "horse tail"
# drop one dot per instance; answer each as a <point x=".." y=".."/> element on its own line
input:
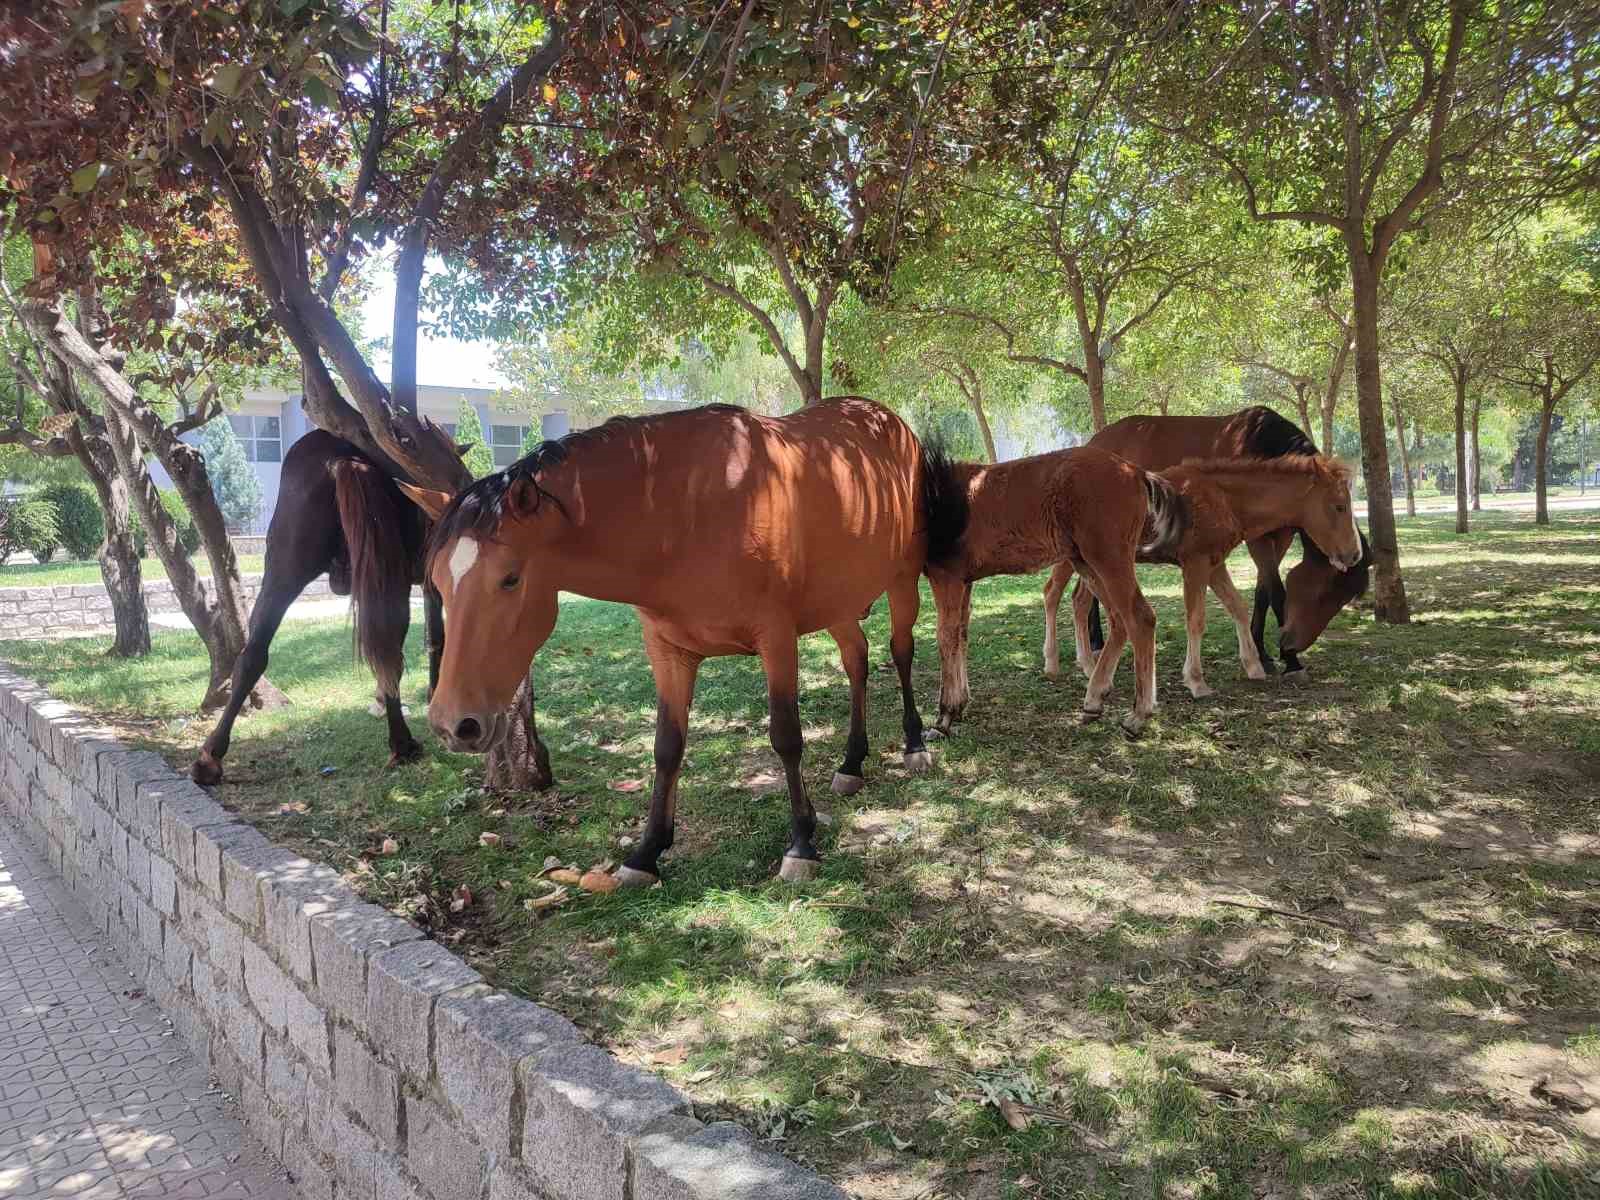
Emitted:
<point x="1167" y="518"/>
<point x="944" y="503"/>
<point x="381" y="529"/>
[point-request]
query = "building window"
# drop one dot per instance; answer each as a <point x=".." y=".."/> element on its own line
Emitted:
<point x="261" y="437"/>
<point x="506" y="441"/>
<point x="554" y="425"/>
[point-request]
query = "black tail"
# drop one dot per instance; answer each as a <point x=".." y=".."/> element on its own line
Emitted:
<point x="944" y="503"/>
<point x="383" y="531"/>
<point x="1168" y="518"/>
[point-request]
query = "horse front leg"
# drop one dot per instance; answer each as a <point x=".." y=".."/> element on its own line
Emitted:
<point x="852" y="642"/>
<point x="780" y="660"/>
<point x="1266" y="554"/>
<point x="271" y="604"/>
<point x="905" y="601"/>
<point x="1082" y="602"/>
<point x="675" y="672"/>
<point x="1196" y="575"/>
<point x="1233" y="604"/>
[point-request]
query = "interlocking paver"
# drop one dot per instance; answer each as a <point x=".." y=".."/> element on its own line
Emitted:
<point x="98" y="1099"/>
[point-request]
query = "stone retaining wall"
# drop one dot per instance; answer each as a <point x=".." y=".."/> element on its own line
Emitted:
<point x="49" y="611"/>
<point x="370" y="1060"/>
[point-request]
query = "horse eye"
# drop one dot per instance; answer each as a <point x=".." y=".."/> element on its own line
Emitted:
<point x="1338" y="508"/>
<point x="509" y="583"/>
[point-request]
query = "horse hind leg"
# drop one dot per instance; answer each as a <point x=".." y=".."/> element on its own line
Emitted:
<point x="1054" y="587"/>
<point x="384" y="645"/>
<point x="852" y="642"/>
<point x="273" y="602"/>
<point x="1082" y="601"/>
<point x="1233" y="604"/>
<point x="1195" y="578"/>
<point x="780" y="658"/>
<point x="952" y="598"/>
<point x="1131" y="617"/>
<point x="905" y="601"/>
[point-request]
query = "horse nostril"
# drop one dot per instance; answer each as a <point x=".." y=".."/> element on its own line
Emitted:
<point x="468" y="729"/>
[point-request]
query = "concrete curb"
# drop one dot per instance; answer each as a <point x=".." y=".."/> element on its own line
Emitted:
<point x="370" y="1061"/>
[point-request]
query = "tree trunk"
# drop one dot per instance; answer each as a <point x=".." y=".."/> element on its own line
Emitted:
<point x="1461" y="452"/>
<point x="975" y="398"/>
<point x="1583" y="456"/>
<point x="1300" y="390"/>
<point x="1405" y="455"/>
<point x="1477" y="459"/>
<point x="1327" y="428"/>
<point x="1389" y="591"/>
<point x="520" y="762"/>
<point x="120" y="568"/>
<point x="1541" y="460"/>
<point x="1094" y="368"/>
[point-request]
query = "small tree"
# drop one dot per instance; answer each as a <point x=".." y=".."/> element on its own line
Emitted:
<point x="469" y="432"/>
<point x="233" y="483"/>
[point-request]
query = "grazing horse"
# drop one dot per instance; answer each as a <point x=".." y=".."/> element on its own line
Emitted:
<point x="730" y="533"/>
<point x="1156" y="443"/>
<point x="340" y="513"/>
<point x="1087" y="510"/>
<point x="1229" y="501"/>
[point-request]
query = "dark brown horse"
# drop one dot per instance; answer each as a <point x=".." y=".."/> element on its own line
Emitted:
<point x="731" y="533"/>
<point x="1157" y="443"/>
<point x="340" y="513"/>
<point x="1085" y="509"/>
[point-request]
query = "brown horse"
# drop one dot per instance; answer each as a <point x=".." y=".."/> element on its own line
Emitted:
<point x="1085" y="509"/>
<point x="340" y="513"/>
<point x="731" y="533"/>
<point x="1229" y="501"/>
<point x="1156" y="443"/>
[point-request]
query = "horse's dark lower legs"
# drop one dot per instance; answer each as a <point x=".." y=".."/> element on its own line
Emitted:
<point x="905" y="601"/>
<point x="675" y="672"/>
<point x="274" y="600"/>
<point x="780" y="658"/>
<point x="852" y="642"/>
<point x="1097" y="637"/>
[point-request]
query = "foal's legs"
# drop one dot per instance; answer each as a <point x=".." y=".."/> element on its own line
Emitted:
<point x="1083" y="604"/>
<point x="1060" y="576"/>
<point x="852" y="642"/>
<point x="1196" y="575"/>
<point x="675" y="672"/>
<point x="277" y="594"/>
<point x="1118" y="588"/>
<point x="1233" y="604"/>
<point x="905" y="601"/>
<point x="952" y="599"/>
<point x="780" y="658"/>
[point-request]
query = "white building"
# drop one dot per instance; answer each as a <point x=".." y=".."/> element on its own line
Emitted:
<point x="270" y="420"/>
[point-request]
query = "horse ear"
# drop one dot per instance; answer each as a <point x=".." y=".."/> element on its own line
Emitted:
<point x="464" y="448"/>
<point x="431" y="502"/>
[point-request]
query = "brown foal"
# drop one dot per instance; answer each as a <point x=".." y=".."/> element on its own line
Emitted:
<point x="1229" y="501"/>
<point x="731" y="533"/>
<point x="1085" y="509"/>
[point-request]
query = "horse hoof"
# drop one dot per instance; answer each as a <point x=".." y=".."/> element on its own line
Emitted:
<point x="206" y="771"/>
<point x="936" y="734"/>
<point x="1298" y="675"/>
<point x="406" y="754"/>
<point x="1271" y="668"/>
<point x="918" y="761"/>
<point x="1134" y="726"/>
<point x="847" y="785"/>
<point x="630" y="877"/>
<point x="1090" y="715"/>
<point x="798" y="870"/>
<point x="1052" y="672"/>
<point x="1201" y="691"/>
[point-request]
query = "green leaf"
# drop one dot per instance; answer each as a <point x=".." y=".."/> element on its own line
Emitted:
<point x="319" y="93"/>
<point x="85" y="177"/>
<point x="728" y="165"/>
<point x="226" y="78"/>
<point x="698" y="135"/>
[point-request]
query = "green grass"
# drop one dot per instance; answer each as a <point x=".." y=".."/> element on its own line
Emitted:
<point x="88" y="571"/>
<point x="1036" y="918"/>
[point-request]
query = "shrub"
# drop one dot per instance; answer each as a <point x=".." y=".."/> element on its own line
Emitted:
<point x="188" y="535"/>
<point x="79" y="521"/>
<point x="28" y="524"/>
<point x="469" y="431"/>
<point x="233" y="482"/>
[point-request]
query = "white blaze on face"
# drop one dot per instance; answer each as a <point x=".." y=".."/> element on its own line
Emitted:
<point x="462" y="559"/>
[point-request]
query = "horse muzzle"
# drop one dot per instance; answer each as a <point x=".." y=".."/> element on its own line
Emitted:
<point x="471" y="733"/>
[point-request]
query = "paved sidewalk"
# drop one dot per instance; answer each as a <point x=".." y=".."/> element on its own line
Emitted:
<point x="98" y="1098"/>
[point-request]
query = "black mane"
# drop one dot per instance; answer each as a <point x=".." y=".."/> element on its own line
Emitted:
<point x="1268" y="434"/>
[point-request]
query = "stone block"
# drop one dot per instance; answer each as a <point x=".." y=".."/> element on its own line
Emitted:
<point x="286" y="1085"/>
<point x="148" y="922"/>
<point x="342" y="940"/>
<point x="308" y="1029"/>
<point x="402" y="986"/>
<point x="267" y="988"/>
<point x="393" y="1182"/>
<point x="718" y="1162"/>
<point x="480" y="1037"/>
<point x="507" y="1181"/>
<point x="246" y="1036"/>
<point x="261" y="1117"/>
<point x="353" y="1150"/>
<point x="307" y="1169"/>
<point x="209" y="843"/>
<point x="177" y="961"/>
<point x="224" y="944"/>
<point x="243" y="870"/>
<point x="163" y="886"/>
<point x="129" y="769"/>
<point x="138" y="866"/>
<point x="447" y="1163"/>
<point x="366" y="1086"/>
<point x="185" y="807"/>
<point x="581" y="1108"/>
<point x="291" y="897"/>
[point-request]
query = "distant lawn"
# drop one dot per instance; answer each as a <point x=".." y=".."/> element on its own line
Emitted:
<point x="88" y="570"/>
<point x="1041" y="917"/>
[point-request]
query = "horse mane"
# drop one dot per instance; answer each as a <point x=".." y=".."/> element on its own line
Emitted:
<point x="481" y="507"/>
<point x="1319" y="465"/>
<point x="1269" y="434"/>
